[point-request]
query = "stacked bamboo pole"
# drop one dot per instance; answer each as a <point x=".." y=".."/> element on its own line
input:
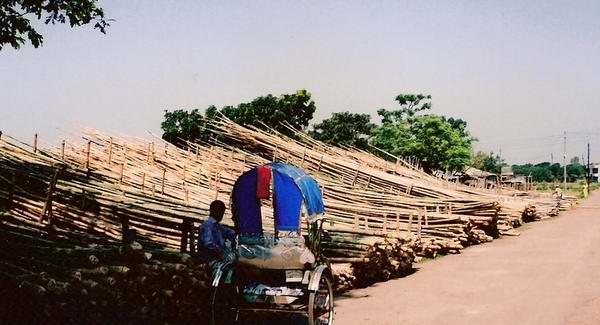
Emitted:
<point x="72" y="247"/>
<point x="376" y="210"/>
<point x="63" y="281"/>
<point x="99" y="188"/>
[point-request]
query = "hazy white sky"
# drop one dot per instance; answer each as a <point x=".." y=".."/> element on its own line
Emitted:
<point x="519" y="72"/>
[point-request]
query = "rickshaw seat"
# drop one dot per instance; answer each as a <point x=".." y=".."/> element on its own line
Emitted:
<point x="265" y="252"/>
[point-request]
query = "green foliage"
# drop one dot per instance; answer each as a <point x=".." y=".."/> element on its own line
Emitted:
<point x="539" y="173"/>
<point x="409" y="106"/>
<point x="547" y="172"/>
<point x="345" y="129"/>
<point x="556" y="170"/>
<point x="294" y="109"/>
<point x="573" y="188"/>
<point x="493" y="163"/>
<point x="180" y="126"/>
<point x="488" y="162"/>
<point x="478" y="159"/>
<point x="265" y="111"/>
<point x="575" y="170"/>
<point x="439" y="143"/>
<point x="15" y="24"/>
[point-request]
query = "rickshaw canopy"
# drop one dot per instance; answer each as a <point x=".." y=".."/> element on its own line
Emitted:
<point x="292" y="187"/>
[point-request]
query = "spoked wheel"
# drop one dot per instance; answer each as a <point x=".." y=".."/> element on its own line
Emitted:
<point x="320" y="304"/>
<point x="223" y="305"/>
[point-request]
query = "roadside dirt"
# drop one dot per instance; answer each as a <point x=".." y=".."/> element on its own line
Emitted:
<point x="548" y="275"/>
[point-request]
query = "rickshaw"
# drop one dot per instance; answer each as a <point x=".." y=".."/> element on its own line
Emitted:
<point x="280" y="269"/>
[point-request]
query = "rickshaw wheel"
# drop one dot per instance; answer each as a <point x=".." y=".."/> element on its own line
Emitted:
<point x="320" y="304"/>
<point x="223" y="311"/>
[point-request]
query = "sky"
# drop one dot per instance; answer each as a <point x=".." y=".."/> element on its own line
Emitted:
<point x="519" y="72"/>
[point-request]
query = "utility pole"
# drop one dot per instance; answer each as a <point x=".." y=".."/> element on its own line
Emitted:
<point x="589" y="172"/>
<point x="565" y="162"/>
<point x="552" y="158"/>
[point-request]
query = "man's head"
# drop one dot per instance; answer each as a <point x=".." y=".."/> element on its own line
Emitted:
<point x="217" y="209"/>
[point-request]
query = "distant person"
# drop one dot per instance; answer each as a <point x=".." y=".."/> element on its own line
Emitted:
<point x="212" y="236"/>
<point x="558" y="194"/>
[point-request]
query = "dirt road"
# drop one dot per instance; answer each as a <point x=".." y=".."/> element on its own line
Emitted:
<point x="548" y="275"/>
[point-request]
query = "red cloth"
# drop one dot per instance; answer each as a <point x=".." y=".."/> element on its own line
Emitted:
<point x="263" y="185"/>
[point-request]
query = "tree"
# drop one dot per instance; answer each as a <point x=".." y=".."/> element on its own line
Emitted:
<point x="345" y="129"/>
<point x="180" y="126"/>
<point x="435" y="141"/>
<point x="493" y="163"/>
<point x="546" y="172"/>
<point x="478" y="159"/>
<point x="541" y="173"/>
<point x="265" y="111"/>
<point x="15" y="24"/>
<point x="575" y="170"/>
<point x="409" y="105"/>
<point x="294" y="109"/>
<point x="556" y="170"/>
<point x="524" y="170"/>
<point x="488" y="162"/>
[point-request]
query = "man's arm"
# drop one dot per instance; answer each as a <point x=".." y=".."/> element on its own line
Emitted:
<point x="228" y="232"/>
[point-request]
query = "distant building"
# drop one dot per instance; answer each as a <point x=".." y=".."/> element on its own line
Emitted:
<point x="595" y="171"/>
<point x="473" y="177"/>
<point x="479" y="178"/>
<point x="506" y="171"/>
<point x="509" y="179"/>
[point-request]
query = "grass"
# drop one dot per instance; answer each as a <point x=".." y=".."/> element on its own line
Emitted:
<point x="574" y="188"/>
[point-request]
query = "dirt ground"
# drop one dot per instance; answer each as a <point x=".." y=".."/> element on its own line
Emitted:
<point x="548" y="275"/>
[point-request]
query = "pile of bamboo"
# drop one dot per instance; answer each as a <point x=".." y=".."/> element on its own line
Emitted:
<point x="373" y="258"/>
<point x="206" y="172"/>
<point x="99" y="188"/>
<point x="51" y="278"/>
<point x="72" y="247"/>
<point x="361" y="192"/>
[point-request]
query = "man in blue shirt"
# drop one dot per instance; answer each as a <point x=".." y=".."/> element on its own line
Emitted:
<point x="212" y="235"/>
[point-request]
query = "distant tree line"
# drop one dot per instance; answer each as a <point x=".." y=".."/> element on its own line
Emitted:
<point x="438" y="142"/>
<point x="547" y="172"/>
<point x="541" y="172"/>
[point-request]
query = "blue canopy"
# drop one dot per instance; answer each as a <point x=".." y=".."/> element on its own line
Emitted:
<point x="291" y="187"/>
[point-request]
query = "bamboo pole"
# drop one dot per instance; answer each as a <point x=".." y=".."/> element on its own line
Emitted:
<point x="303" y="158"/>
<point x="110" y="150"/>
<point x="35" y="142"/>
<point x="162" y="181"/>
<point x="355" y="175"/>
<point x="62" y="151"/>
<point x="385" y="223"/>
<point x="121" y="173"/>
<point x="419" y="225"/>
<point x="143" y="181"/>
<point x="87" y="154"/>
